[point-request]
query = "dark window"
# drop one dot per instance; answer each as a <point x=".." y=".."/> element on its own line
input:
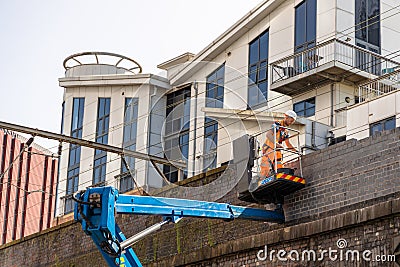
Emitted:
<point x="367" y="31"/>
<point x="305" y="35"/>
<point x="215" y="88"/>
<point x="129" y="143"/>
<point x="305" y="108"/>
<point x="99" y="168"/>
<point x="176" y="138"/>
<point x="367" y="21"/>
<point x="383" y="125"/>
<point x="74" y="153"/>
<point x="337" y="140"/>
<point x="100" y="156"/>
<point x="210" y="144"/>
<point x="258" y="70"/>
<point x="305" y="25"/>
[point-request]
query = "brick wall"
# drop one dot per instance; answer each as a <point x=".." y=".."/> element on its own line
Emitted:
<point x="352" y="172"/>
<point x="353" y="192"/>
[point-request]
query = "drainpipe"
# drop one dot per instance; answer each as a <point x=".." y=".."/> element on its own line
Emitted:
<point x="313" y="126"/>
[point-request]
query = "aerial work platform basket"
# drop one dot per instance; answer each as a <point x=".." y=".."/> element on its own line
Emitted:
<point x="280" y="182"/>
<point x="273" y="188"/>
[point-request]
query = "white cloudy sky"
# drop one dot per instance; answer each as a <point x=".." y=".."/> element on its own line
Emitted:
<point x="36" y="36"/>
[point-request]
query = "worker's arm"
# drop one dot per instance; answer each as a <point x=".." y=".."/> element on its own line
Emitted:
<point x="290" y="146"/>
<point x="270" y="137"/>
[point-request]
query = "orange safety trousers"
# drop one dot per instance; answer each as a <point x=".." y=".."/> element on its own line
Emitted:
<point x="268" y="159"/>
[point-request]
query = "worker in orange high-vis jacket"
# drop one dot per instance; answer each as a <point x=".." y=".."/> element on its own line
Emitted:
<point x="282" y="135"/>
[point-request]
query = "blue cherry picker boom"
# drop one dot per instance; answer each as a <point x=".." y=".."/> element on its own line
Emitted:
<point x="96" y="207"/>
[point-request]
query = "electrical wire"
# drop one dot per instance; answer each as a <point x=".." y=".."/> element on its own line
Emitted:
<point x="147" y="114"/>
<point x="31" y="171"/>
<point x="257" y="112"/>
<point x="120" y="125"/>
<point x="28" y="214"/>
<point x="227" y="142"/>
<point x="327" y="116"/>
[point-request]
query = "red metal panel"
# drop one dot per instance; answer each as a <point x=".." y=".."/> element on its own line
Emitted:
<point x="22" y="210"/>
<point x="25" y="197"/>
<point x="51" y="190"/>
<point x="7" y="187"/>
<point x="17" y="206"/>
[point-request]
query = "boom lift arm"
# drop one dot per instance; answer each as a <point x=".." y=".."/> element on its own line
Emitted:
<point x="96" y="207"/>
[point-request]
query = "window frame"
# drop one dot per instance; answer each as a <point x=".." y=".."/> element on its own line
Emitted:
<point x="303" y="112"/>
<point x="176" y="126"/>
<point x="131" y="114"/>
<point x="214" y="81"/>
<point x="382" y="124"/>
<point x="210" y="132"/>
<point x="102" y="130"/>
<point x="365" y="24"/>
<point x="73" y="169"/>
<point x="308" y="43"/>
<point x="256" y="69"/>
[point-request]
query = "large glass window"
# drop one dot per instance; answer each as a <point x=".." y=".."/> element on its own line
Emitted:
<point x="383" y="125"/>
<point x="215" y="95"/>
<point x="305" y="36"/>
<point x="368" y="34"/>
<point x="74" y="153"/>
<point x="367" y="21"/>
<point x="305" y="108"/>
<point x="215" y="88"/>
<point x="305" y="25"/>
<point x="176" y="138"/>
<point x="129" y="143"/>
<point x="100" y="156"/>
<point x="258" y="70"/>
<point x="210" y="144"/>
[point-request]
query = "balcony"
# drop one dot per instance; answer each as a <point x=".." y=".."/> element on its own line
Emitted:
<point x="384" y="84"/>
<point x="331" y="61"/>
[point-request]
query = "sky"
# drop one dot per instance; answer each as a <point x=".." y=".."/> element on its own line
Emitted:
<point x="36" y="36"/>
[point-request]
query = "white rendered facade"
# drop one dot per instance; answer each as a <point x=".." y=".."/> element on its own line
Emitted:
<point x="147" y="89"/>
<point x="331" y="85"/>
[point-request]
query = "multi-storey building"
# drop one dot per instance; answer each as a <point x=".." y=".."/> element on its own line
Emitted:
<point x="27" y="187"/>
<point x="334" y="62"/>
<point x="108" y="100"/>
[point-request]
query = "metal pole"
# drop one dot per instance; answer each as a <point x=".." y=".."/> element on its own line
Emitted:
<point x="276" y="160"/>
<point x="132" y="240"/>
<point x="196" y="94"/>
<point x="87" y="143"/>
<point x="298" y="150"/>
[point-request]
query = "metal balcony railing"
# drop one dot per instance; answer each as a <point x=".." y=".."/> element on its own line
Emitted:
<point x="286" y="154"/>
<point x="331" y="51"/>
<point x="99" y="63"/>
<point x="384" y="84"/>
